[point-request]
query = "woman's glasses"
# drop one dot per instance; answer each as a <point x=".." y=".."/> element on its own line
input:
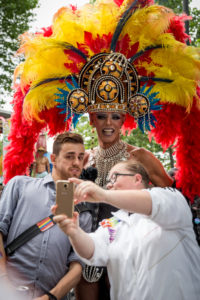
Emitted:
<point x="114" y="176"/>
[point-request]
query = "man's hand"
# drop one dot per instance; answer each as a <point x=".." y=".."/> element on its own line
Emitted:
<point x="87" y="191"/>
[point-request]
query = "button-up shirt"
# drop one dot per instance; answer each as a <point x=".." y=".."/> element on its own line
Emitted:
<point x="45" y="259"/>
<point x="150" y="257"/>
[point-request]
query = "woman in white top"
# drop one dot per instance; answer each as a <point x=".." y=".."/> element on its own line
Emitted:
<point x="148" y="246"/>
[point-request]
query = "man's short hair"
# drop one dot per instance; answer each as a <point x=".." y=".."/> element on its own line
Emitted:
<point x="67" y="137"/>
<point x="136" y="167"/>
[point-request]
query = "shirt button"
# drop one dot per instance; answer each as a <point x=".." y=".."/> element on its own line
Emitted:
<point x="44" y="242"/>
<point x="40" y="260"/>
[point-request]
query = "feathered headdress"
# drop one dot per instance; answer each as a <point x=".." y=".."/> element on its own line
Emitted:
<point x="113" y="55"/>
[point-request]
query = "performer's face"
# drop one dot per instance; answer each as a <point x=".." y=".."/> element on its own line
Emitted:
<point x="108" y="126"/>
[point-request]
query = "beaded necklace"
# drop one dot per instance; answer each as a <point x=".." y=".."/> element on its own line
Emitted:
<point x="105" y="159"/>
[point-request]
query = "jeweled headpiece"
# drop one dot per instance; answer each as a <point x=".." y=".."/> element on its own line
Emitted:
<point x="113" y="55"/>
<point x="109" y="82"/>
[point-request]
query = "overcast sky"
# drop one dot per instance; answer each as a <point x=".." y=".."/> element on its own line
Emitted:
<point x="49" y="7"/>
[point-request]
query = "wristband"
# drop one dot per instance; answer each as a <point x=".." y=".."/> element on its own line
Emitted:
<point x="51" y="296"/>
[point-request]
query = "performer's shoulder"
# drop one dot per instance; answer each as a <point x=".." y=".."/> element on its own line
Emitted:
<point x="131" y="148"/>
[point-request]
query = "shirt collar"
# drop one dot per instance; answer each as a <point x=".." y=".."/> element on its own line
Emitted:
<point x="48" y="179"/>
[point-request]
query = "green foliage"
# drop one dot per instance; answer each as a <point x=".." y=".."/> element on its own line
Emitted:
<point x="139" y="139"/>
<point x="176" y="5"/>
<point x="194" y="24"/>
<point x="83" y="127"/>
<point x="195" y="27"/>
<point x="15" y="16"/>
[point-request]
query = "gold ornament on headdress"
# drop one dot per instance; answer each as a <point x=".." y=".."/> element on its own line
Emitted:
<point x="107" y="82"/>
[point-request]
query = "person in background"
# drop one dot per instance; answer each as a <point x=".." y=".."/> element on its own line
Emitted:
<point x="148" y="246"/>
<point x="41" y="166"/>
<point x="46" y="264"/>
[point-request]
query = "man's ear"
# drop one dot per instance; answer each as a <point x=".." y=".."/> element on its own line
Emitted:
<point x="53" y="158"/>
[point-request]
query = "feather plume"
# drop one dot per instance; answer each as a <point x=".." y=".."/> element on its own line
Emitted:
<point x="126" y="15"/>
<point x="60" y="51"/>
<point x="39" y="99"/>
<point x="147" y="24"/>
<point x="23" y="136"/>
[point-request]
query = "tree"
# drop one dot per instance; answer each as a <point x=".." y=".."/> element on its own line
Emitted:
<point x="139" y="139"/>
<point x="90" y="138"/>
<point x="178" y="7"/>
<point x="15" y="17"/>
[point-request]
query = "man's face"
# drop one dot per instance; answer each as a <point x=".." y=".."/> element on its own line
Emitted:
<point x="107" y="125"/>
<point x="69" y="162"/>
<point x="40" y="153"/>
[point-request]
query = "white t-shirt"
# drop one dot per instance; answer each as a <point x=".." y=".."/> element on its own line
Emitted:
<point x="151" y="258"/>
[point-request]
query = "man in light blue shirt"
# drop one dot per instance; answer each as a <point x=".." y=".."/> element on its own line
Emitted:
<point x="47" y="261"/>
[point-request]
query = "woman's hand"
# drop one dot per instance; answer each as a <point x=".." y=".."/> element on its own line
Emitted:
<point x="87" y="191"/>
<point x="67" y="225"/>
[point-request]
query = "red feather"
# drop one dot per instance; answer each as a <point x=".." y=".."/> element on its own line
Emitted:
<point x="177" y="27"/>
<point x="188" y="155"/>
<point x="98" y="44"/>
<point x="141" y="3"/>
<point x="168" y="125"/>
<point x="22" y="136"/>
<point x="129" y="124"/>
<point x="54" y="120"/>
<point x="46" y="32"/>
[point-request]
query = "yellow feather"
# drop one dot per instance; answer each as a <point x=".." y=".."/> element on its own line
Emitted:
<point x="45" y="57"/>
<point x="40" y="98"/>
<point x="147" y="24"/>
<point x="175" y="63"/>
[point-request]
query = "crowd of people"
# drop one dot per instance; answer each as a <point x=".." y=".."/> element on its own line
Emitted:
<point x="147" y="244"/>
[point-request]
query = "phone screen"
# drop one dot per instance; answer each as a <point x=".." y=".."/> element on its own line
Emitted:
<point x="65" y="197"/>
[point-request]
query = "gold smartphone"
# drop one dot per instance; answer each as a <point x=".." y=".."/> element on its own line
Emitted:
<point x="65" y="198"/>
